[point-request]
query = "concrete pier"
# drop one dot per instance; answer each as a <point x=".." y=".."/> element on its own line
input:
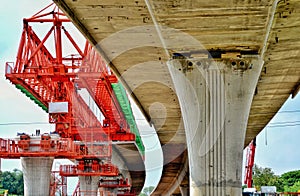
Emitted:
<point x="215" y="99"/>
<point x="88" y="185"/>
<point x="36" y="173"/>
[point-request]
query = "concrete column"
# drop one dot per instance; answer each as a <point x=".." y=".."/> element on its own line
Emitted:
<point x="88" y="185"/>
<point x="215" y="99"/>
<point x="37" y="174"/>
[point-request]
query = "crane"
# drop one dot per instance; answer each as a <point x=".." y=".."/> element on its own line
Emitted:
<point x="250" y="163"/>
<point x="54" y="81"/>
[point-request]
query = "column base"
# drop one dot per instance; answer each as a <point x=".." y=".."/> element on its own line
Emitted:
<point x="215" y="191"/>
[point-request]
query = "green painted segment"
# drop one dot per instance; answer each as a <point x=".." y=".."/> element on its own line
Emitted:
<point x="127" y="111"/>
<point x="28" y="94"/>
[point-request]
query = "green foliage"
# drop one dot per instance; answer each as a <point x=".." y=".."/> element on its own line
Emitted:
<point x="12" y="181"/>
<point x="266" y="177"/>
<point x="290" y="178"/>
<point x="287" y="182"/>
<point x="2" y="191"/>
<point x="291" y="181"/>
<point x="294" y="188"/>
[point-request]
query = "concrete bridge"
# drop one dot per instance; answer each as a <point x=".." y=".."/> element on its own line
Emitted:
<point x="208" y="75"/>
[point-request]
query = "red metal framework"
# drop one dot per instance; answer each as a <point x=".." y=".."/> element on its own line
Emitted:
<point x="107" y="183"/>
<point x="58" y="184"/>
<point x="94" y="168"/>
<point x="53" y="80"/>
<point x="250" y="163"/>
<point x="27" y="146"/>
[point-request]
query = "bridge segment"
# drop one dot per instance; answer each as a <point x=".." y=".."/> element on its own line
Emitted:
<point x="225" y="29"/>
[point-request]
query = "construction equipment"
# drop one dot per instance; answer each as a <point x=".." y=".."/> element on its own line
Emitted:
<point x="54" y="81"/>
<point x="250" y="163"/>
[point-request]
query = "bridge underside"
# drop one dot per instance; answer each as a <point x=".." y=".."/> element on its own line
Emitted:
<point x="134" y="164"/>
<point x="137" y="38"/>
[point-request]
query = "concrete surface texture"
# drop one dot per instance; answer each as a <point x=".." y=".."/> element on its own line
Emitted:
<point x="88" y="185"/>
<point x="36" y="173"/>
<point x="135" y="39"/>
<point x="215" y="99"/>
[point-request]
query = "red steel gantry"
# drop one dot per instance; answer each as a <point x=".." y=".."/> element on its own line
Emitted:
<point x="52" y="81"/>
<point x="250" y="163"/>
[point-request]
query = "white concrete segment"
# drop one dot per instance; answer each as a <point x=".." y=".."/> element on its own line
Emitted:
<point x="215" y="99"/>
<point x="36" y="174"/>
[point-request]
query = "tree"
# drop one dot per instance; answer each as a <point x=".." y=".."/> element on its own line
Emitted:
<point x="290" y="178"/>
<point x="147" y="191"/>
<point x="294" y="188"/>
<point x="287" y="182"/>
<point x="266" y="177"/>
<point x="291" y="181"/>
<point x="12" y="181"/>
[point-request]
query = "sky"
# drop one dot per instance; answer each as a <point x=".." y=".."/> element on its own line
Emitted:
<point x="277" y="145"/>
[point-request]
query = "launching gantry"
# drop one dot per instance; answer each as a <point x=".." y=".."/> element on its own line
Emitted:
<point x="54" y="83"/>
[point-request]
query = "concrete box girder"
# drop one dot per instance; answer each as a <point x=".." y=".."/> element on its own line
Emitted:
<point x="244" y="29"/>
